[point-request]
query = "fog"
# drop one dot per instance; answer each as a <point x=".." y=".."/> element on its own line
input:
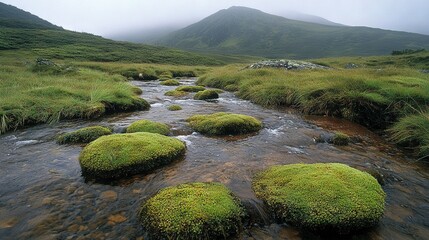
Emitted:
<point x="107" y="17"/>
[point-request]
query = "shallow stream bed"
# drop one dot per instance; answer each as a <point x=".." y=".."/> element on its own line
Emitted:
<point x="44" y="196"/>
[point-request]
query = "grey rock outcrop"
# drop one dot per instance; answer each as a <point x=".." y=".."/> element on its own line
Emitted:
<point x="286" y="64"/>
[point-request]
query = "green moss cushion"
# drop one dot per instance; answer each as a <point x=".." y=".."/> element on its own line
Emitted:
<point x="174" y="108"/>
<point x="148" y="126"/>
<point x="190" y="88"/>
<point x="192" y="211"/>
<point x="224" y="124"/>
<point x="206" y="94"/>
<point x="321" y="197"/>
<point x="84" y="135"/>
<point x="170" y="82"/>
<point x="341" y="139"/>
<point x="120" y="155"/>
<point x="174" y="93"/>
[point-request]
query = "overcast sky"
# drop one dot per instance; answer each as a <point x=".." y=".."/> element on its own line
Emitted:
<point x="106" y="17"/>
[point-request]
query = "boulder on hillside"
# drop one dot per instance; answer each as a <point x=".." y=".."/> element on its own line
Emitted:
<point x="286" y="64"/>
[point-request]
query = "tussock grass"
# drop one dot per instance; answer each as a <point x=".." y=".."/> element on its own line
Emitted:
<point x="371" y="97"/>
<point x="375" y="98"/>
<point x="413" y="131"/>
<point x="146" y="71"/>
<point x="30" y="97"/>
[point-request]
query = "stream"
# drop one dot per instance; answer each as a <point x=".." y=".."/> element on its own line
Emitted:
<point x="44" y="196"/>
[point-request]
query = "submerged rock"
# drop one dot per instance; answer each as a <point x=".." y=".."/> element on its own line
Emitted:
<point x="286" y="64"/>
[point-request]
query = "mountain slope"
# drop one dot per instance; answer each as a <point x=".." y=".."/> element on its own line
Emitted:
<point x="20" y="30"/>
<point x="308" y="18"/>
<point x="240" y="30"/>
<point x="14" y="17"/>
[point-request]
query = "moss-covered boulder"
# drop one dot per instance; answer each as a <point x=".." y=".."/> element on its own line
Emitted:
<point x="148" y="126"/>
<point x="170" y="82"/>
<point x="83" y="135"/>
<point x="121" y="155"/>
<point x="224" y="124"/>
<point x="321" y="197"/>
<point x="174" y="108"/>
<point x="206" y="94"/>
<point x="190" y="88"/>
<point x="192" y="211"/>
<point x="174" y="93"/>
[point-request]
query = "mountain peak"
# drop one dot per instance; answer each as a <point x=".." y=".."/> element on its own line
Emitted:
<point x="247" y="31"/>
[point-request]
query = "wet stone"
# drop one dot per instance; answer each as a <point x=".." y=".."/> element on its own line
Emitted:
<point x="109" y="196"/>
<point x="8" y="223"/>
<point x="117" y="218"/>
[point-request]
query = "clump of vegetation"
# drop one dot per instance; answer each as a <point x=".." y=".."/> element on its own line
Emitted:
<point x="170" y="82"/>
<point x="51" y="97"/>
<point x="165" y="76"/>
<point x="224" y="124"/>
<point x="321" y="197"/>
<point x="174" y="108"/>
<point x="340" y="139"/>
<point x="407" y="51"/>
<point x="149" y="126"/>
<point x="371" y="97"/>
<point x="122" y="155"/>
<point x="413" y="132"/>
<point x="192" y="211"/>
<point x="190" y="88"/>
<point x="206" y="94"/>
<point x="174" y="93"/>
<point x="84" y="135"/>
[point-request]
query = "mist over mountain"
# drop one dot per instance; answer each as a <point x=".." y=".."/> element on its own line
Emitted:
<point x="242" y="30"/>
<point x="152" y="35"/>
<point x="21" y="30"/>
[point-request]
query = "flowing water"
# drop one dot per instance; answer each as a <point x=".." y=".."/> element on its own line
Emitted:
<point x="44" y="196"/>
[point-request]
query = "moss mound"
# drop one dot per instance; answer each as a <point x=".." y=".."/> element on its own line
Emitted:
<point x="224" y="124"/>
<point x="341" y="139"/>
<point x="174" y="108"/>
<point x="174" y="93"/>
<point x="84" y="135"/>
<point x="121" y="155"/>
<point x="321" y="197"/>
<point x="206" y="94"/>
<point x="190" y="88"/>
<point x="170" y="82"/>
<point x="148" y="126"/>
<point x="192" y="211"/>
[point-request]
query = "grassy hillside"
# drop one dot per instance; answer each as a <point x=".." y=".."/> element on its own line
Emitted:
<point x="13" y="17"/>
<point x="240" y="30"/>
<point x="383" y="96"/>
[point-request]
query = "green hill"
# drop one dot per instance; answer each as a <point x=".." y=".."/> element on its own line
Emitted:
<point x="13" y="17"/>
<point x="24" y="32"/>
<point x="240" y="30"/>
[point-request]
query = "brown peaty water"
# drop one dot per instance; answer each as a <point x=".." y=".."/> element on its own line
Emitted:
<point x="44" y="196"/>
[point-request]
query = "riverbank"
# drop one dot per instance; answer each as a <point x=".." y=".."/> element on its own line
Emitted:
<point x="45" y="91"/>
<point x="375" y="98"/>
